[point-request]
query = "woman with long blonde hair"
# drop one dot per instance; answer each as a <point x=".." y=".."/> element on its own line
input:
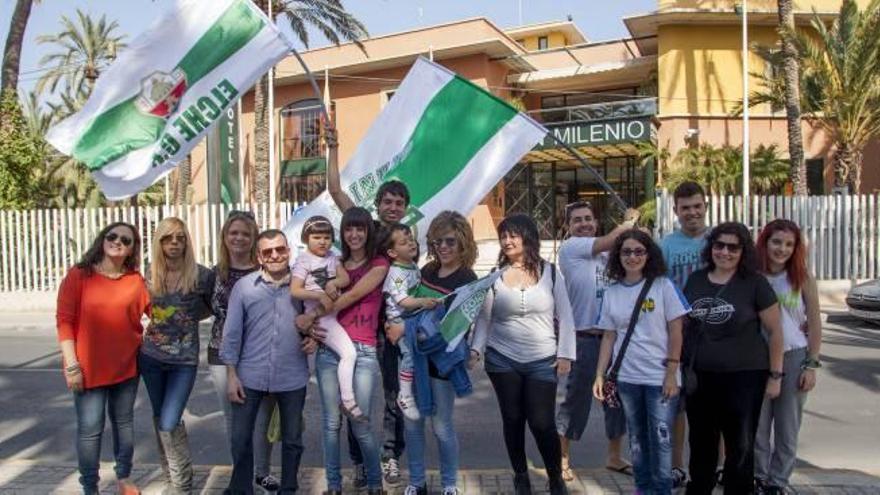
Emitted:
<point x="180" y="295"/>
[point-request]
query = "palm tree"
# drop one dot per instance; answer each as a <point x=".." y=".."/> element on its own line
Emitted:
<point x="330" y="19"/>
<point x="792" y="90"/>
<point x="839" y="81"/>
<point x="85" y="48"/>
<point x="769" y="171"/>
<point x="14" y="42"/>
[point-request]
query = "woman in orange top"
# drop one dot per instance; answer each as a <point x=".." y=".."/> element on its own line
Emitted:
<point x="100" y="304"/>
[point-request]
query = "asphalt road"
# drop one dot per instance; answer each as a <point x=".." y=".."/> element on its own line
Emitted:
<point x="37" y="420"/>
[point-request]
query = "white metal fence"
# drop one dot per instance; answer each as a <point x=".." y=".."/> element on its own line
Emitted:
<point x="38" y="246"/>
<point x="841" y="231"/>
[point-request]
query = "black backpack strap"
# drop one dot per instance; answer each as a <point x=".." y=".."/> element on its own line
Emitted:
<point x="633" y="319"/>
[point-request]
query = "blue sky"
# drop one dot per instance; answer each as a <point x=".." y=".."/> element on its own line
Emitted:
<point x="599" y="20"/>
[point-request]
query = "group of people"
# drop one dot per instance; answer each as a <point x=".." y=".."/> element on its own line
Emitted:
<point x="621" y="316"/>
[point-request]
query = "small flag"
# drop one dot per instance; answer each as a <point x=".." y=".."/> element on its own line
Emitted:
<point x="465" y="308"/>
<point x="449" y="140"/>
<point x="166" y="90"/>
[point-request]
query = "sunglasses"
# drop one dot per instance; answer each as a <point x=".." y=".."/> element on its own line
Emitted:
<point x="637" y="252"/>
<point x="240" y="213"/>
<point x="731" y="247"/>
<point x="124" y="239"/>
<point x="279" y="250"/>
<point x="181" y="238"/>
<point x="448" y="241"/>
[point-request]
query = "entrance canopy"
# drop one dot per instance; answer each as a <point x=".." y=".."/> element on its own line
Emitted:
<point x="596" y="139"/>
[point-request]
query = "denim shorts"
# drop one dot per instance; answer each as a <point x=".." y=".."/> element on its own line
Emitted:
<point x="541" y="370"/>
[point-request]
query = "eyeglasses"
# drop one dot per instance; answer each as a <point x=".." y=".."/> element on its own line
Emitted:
<point x="448" y="241"/>
<point x="279" y="250"/>
<point x="181" y="238"/>
<point x="124" y="239"/>
<point x="731" y="247"/>
<point x="637" y="252"/>
<point x="240" y="213"/>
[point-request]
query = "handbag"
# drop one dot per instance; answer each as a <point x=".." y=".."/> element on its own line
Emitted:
<point x="609" y="387"/>
<point x="689" y="375"/>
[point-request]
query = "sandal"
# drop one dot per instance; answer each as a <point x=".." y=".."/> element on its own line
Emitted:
<point x="626" y="469"/>
<point x="567" y="474"/>
<point x="353" y="413"/>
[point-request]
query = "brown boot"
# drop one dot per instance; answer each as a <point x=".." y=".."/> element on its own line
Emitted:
<point x="180" y="468"/>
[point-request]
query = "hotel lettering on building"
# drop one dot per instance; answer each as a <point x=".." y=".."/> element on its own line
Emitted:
<point x="673" y="82"/>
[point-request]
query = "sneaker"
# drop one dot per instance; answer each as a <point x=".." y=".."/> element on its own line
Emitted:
<point x="407" y="405"/>
<point x="416" y="490"/>
<point x="450" y="490"/>
<point x="360" y="477"/>
<point x="268" y="483"/>
<point x="679" y="477"/>
<point x="391" y="471"/>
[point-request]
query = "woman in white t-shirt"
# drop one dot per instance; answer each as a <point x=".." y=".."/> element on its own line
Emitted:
<point x="782" y="258"/>
<point x="648" y="379"/>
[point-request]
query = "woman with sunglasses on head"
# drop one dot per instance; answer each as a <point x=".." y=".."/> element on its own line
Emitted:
<point x="357" y="310"/>
<point x="100" y="304"/>
<point x="646" y="361"/>
<point x="452" y="253"/>
<point x="236" y="258"/>
<point x="733" y="365"/>
<point x="782" y="258"/>
<point x="525" y="334"/>
<point x="180" y="292"/>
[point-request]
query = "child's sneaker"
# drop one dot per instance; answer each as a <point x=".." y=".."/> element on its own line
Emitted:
<point x="407" y="404"/>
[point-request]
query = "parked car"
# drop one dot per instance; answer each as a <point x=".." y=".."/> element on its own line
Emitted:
<point x="864" y="301"/>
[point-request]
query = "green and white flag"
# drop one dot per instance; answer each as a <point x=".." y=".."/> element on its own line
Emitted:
<point x="164" y="92"/>
<point x="465" y="308"/>
<point x="447" y="139"/>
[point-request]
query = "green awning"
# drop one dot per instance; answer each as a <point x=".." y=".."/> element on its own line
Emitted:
<point x="303" y="167"/>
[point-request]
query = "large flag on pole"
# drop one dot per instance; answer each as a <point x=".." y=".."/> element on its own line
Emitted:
<point x="167" y="89"/>
<point x="447" y="139"/>
<point x="465" y="308"/>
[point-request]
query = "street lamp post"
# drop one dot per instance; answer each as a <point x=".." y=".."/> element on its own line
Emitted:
<point x="745" y="80"/>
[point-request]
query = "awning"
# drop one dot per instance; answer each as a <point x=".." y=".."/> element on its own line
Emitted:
<point x="595" y="139"/>
<point x="303" y="167"/>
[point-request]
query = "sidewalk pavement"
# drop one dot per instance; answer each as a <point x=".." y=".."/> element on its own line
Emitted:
<point x="28" y="477"/>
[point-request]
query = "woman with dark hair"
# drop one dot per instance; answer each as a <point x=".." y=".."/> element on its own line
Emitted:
<point x="180" y="295"/>
<point x="523" y="348"/>
<point x="357" y="310"/>
<point x="646" y="370"/>
<point x="782" y="258"/>
<point x="733" y="365"/>
<point x="236" y="258"/>
<point x="100" y="304"/>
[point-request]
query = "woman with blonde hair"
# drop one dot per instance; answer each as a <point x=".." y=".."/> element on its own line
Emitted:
<point x="180" y="294"/>
<point x="100" y="304"/>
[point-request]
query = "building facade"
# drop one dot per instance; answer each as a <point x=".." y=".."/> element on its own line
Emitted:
<point x="672" y="84"/>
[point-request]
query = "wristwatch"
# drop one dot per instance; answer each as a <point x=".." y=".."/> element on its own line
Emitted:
<point x="810" y="363"/>
<point x="776" y="375"/>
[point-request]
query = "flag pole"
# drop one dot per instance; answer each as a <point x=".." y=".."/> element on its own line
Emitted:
<point x="314" y="85"/>
<point x="601" y="180"/>
<point x="271" y="103"/>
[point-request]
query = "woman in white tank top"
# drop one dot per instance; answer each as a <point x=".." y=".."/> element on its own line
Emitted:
<point x="783" y="261"/>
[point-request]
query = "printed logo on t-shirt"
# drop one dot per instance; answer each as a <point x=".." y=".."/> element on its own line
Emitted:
<point x="321" y="276"/>
<point x="790" y="300"/>
<point x="714" y="314"/>
<point x="648" y="305"/>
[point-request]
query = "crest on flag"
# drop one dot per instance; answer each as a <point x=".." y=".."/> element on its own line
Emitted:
<point x="161" y="93"/>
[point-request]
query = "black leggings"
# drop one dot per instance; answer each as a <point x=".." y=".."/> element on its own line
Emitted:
<point x="524" y="400"/>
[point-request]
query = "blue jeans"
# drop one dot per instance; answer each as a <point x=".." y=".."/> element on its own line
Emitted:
<point x="366" y="376"/>
<point x="90" y="404"/>
<point x="168" y="386"/>
<point x="244" y="417"/>
<point x="649" y="419"/>
<point x="444" y="432"/>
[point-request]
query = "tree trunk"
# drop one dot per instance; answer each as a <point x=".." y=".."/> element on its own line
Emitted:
<point x="12" y="51"/>
<point x="184" y="173"/>
<point x="791" y="75"/>
<point x="847" y="167"/>
<point x="261" y="141"/>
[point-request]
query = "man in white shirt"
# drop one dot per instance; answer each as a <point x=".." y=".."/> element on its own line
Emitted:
<point x="582" y="259"/>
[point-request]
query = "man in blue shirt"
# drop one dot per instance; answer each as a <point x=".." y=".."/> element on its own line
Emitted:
<point x="265" y="354"/>
<point x="682" y="250"/>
